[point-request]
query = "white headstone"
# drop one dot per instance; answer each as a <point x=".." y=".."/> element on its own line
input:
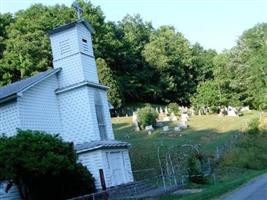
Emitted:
<point x="149" y="128"/>
<point x="231" y="112"/>
<point x="166" y="110"/>
<point x="165" y="128"/>
<point x="177" y="128"/>
<point x="166" y="119"/>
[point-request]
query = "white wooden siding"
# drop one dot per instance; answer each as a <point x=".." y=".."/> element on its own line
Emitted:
<point x="68" y="38"/>
<point x="93" y="161"/>
<point x="83" y="33"/>
<point x="12" y="194"/>
<point x="78" y="115"/>
<point x="72" y="70"/>
<point x="89" y="68"/>
<point x="9" y="118"/>
<point x="39" y="109"/>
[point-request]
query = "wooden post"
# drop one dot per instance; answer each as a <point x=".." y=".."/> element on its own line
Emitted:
<point x="103" y="184"/>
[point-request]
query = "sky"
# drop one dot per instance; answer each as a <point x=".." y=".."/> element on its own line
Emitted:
<point x="215" y="24"/>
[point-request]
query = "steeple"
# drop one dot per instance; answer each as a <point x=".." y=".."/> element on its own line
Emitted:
<point x="73" y="52"/>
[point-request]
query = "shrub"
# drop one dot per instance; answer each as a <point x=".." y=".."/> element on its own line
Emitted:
<point x="174" y="107"/>
<point x="250" y="150"/>
<point x="214" y="110"/>
<point x="194" y="169"/>
<point x="253" y="127"/>
<point x="43" y="167"/>
<point x="147" y="116"/>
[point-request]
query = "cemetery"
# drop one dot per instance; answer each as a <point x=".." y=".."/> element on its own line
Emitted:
<point x="208" y="132"/>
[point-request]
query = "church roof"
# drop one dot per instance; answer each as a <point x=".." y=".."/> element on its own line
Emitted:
<point x="103" y="144"/>
<point x="70" y="25"/>
<point x="10" y="91"/>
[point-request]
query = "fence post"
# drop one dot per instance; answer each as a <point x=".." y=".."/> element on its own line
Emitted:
<point x="162" y="175"/>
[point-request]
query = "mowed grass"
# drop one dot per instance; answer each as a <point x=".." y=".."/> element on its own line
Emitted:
<point x="208" y="131"/>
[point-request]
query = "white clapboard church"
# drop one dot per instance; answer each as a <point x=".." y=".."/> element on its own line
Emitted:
<point x="69" y="100"/>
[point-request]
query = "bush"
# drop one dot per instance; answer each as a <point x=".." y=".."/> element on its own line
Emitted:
<point x="250" y="150"/>
<point x="194" y="169"/>
<point x="253" y="127"/>
<point x="147" y="116"/>
<point x="174" y="107"/>
<point x="43" y="167"/>
<point x="214" y="110"/>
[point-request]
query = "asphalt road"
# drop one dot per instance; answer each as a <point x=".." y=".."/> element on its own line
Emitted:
<point x="256" y="189"/>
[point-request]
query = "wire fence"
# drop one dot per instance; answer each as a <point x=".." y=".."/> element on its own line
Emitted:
<point x="172" y="174"/>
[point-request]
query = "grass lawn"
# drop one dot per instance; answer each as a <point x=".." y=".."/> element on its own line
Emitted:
<point x="207" y="131"/>
<point x="212" y="191"/>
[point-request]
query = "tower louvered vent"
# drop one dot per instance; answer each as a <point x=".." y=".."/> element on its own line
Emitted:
<point x="85" y="45"/>
<point x="65" y="46"/>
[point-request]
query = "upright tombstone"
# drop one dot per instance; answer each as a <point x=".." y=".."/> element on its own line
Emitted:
<point x="231" y="111"/>
<point x="135" y="121"/>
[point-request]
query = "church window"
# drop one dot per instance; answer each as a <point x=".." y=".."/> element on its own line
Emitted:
<point x="100" y="116"/>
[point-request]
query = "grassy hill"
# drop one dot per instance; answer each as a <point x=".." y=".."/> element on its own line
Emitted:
<point x="208" y="131"/>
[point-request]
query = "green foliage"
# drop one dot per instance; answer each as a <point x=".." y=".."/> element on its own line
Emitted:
<point x="253" y="127"/>
<point x="147" y="116"/>
<point x="107" y="78"/>
<point x="194" y="169"/>
<point x="174" y="107"/>
<point x="43" y="166"/>
<point x="168" y="54"/>
<point x="251" y="147"/>
<point x="214" y="109"/>
<point x="208" y="94"/>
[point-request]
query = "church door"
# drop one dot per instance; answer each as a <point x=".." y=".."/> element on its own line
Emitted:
<point x="117" y="168"/>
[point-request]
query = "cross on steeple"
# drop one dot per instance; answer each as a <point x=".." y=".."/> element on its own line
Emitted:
<point x="78" y="9"/>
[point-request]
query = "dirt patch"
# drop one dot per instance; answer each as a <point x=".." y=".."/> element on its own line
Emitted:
<point x="187" y="191"/>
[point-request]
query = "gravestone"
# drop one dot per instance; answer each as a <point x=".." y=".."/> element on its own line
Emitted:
<point x="166" y="110"/>
<point x="177" y="128"/>
<point x="149" y="128"/>
<point x="231" y="112"/>
<point x="166" y="119"/>
<point x="135" y="122"/>
<point x="166" y="128"/>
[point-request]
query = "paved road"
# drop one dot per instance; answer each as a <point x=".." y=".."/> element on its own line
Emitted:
<point x="253" y="190"/>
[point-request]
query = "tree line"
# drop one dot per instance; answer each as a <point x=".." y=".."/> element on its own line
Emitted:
<point x="138" y="62"/>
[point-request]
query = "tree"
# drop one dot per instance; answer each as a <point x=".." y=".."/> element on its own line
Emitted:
<point x="168" y="54"/>
<point x="43" y="166"/>
<point x="107" y="78"/>
<point x="130" y="67"/>
<point x="5" y="21"/>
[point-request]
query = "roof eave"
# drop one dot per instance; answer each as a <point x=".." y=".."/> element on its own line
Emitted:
<point x="9" y="98"/>
<point x="102" y="147"/>
<point x="73" y="24"/>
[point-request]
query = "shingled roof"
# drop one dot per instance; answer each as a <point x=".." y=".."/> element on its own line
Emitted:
<point x="10" y="91"/>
